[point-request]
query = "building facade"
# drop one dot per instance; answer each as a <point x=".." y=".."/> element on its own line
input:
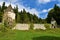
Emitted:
<point x="9" y="17"/>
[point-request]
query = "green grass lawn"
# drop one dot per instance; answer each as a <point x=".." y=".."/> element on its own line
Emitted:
<point x="52" y="34"/>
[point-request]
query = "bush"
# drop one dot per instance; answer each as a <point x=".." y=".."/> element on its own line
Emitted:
<point x="47" y="26"/>
<point x="3" y="28"/>
<point x="31" y="26"/>
<point x="9" y="25"/>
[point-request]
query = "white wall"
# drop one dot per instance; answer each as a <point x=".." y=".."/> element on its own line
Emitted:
<point x="39" y="26"/>
<point x="27" y="26"/>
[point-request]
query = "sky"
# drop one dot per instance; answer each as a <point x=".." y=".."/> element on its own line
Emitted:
<point x="37" y="7"/>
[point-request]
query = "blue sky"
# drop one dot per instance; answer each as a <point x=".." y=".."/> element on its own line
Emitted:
<point x="38" y="7"/>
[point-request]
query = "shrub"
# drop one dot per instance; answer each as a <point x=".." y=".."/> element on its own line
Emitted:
<point x="31" y="26"/>
<point x="3" y="28"/>
<point x="47" y="26"/>
<point x="9" y="25"/>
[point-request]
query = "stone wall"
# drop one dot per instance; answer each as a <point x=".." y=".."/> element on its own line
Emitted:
<point x="22" y="27"/>
<point x="9" y="17"/>
<point x="27" y="26"/>
<point x="39" y="26"/>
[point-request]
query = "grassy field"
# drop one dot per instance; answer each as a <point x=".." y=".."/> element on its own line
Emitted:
<point x="51" y="34"/>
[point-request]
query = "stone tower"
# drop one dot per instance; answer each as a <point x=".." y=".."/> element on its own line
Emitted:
<point x="9" y="17"/>
<point x="53" y="23"/>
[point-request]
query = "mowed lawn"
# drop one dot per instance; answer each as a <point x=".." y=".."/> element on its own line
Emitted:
<point x="51" y="34"/>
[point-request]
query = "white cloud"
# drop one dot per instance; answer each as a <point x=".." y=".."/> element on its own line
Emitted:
<point x="58" y="5"/>
<point x="43" y="1"/>
<point x="28" y="9"/>
<point x="1" y="3"/>
<point x="46" y="10"/>
<point x="32" y="11"/>
<point x="7" y="4"/>
<point x="49" y="9"/>
<point x="13" y="0"/>
<point x="21" y="7"/>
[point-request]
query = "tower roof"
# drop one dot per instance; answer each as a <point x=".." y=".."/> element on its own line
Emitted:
<point x="9" y="8"/>
<point x="52" y="19"/>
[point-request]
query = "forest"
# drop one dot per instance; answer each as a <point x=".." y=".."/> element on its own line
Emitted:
<point x="22" y="16"/>
<point x="54" y="13"/>
<point x="26" y="17"/>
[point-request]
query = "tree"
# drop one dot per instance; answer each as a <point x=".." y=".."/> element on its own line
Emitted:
<point x="3" y="7"/>
<point x="55" y="13"/>
<point x="35" y="19"/>
<point x="30" y="16"/>
<point x="18" y="17"/>
<point x="25" y="16"/>
<point x="2" y="10"/>
<point x="16" y="12"/>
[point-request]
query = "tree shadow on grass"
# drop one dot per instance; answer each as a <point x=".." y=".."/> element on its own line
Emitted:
<point x="46" y="38"/>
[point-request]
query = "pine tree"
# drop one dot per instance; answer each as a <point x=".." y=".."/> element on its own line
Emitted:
<point x="16" y="12"/>
<point x="35" y="19"/>
<point x="25" y="16"/>
<point x="3" y="7"/>
<point x="55" y="13"/>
